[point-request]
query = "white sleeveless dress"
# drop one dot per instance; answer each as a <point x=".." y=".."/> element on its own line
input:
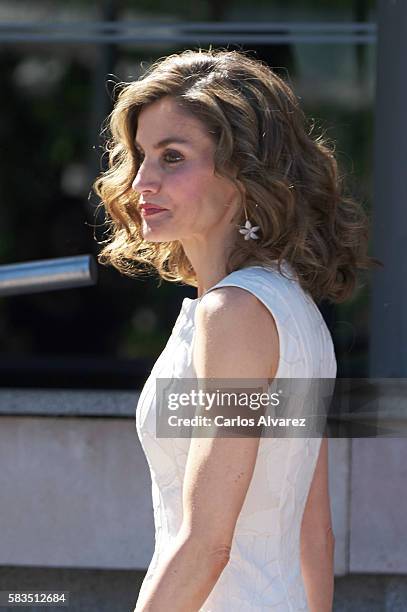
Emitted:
<point x="263" y="572"/>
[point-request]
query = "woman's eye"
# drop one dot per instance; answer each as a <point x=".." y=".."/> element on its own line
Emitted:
<point x="172" y="157"/>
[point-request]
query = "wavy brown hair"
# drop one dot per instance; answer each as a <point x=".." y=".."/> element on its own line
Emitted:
<point x="292" y="186"/>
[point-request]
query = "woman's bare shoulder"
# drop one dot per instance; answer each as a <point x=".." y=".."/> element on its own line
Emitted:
<point x="236" y="329"/>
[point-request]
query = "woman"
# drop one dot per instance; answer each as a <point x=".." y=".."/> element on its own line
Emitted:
<point x="215" y="181"/>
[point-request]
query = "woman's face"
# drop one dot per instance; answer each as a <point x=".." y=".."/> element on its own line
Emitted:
<point x="177" y="174"/>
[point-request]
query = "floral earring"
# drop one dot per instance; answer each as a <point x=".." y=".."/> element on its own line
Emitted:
<point x="248" y="230"/>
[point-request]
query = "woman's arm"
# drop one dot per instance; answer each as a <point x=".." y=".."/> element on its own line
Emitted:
<point x="317" y="539"/>
<point x="235" y="337"/>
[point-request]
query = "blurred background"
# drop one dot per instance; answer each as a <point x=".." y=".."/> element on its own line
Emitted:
<point x="57" y="81"/>
<point x="75" y="489"/>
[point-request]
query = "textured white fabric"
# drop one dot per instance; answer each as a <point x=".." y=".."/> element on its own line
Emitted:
<point x="264" y="568"/>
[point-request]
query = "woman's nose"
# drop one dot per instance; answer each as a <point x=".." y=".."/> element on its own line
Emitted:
<point x="145" y="181"/>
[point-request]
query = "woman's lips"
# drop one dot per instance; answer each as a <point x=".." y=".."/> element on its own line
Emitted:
<point x="147" y="212"/>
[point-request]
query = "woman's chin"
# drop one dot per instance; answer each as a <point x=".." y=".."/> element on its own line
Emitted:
<point x="157" y="236"/>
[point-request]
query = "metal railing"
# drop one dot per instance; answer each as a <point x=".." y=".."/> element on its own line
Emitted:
<point x="47" y="275"/>
<point x="122" y="32"/>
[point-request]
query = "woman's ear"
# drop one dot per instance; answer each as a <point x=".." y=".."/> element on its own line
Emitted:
<point x="239" y="199"/>
<point x="241" y="188"/>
